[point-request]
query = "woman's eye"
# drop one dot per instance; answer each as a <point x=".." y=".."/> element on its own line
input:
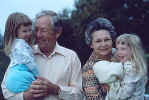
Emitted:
<point x="107" y="40"/>
<point x="98" y="41"/>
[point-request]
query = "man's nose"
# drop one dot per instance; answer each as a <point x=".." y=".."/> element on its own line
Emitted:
<point x="38" y="33"/>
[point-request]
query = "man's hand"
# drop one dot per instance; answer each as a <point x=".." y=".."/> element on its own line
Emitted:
<point x="41" y="87"/>
<point x="48" y="87"/>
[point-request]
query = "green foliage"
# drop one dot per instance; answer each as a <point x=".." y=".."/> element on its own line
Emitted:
<point x="126" y="15"/>
<point x="4" y="61"/>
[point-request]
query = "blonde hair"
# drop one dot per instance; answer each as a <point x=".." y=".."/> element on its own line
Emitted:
<point x="138" y="56"/>
<point x="14" y="21"/>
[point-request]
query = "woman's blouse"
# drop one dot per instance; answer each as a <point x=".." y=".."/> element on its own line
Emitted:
<point x="92" y="89"/>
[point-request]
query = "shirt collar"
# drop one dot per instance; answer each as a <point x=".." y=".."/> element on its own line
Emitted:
<point x="57" y="50"/>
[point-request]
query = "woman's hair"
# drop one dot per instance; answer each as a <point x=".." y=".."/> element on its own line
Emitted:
<point x="98" y="24"/>
<point x="138" y="56"/>
<point x="13" y="23"/>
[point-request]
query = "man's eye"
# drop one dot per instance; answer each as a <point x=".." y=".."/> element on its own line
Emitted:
<point x="44" y="30"/>
<point x="24" y="31"/>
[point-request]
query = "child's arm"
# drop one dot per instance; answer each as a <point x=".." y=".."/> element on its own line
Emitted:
<point x="128" y="85"/>
<point x="22" y="53"/>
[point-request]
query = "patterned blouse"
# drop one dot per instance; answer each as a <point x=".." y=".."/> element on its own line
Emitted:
<point x="92" y="89"/>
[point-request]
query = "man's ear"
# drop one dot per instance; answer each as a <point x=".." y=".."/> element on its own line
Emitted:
<point x="59" y="32"/>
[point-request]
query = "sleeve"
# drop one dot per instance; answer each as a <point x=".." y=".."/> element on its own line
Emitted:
<point x="7" y="94"/>
<point x="129" y="83"/>
<point x="73" y="91"/>
<point x="22" y="53"/>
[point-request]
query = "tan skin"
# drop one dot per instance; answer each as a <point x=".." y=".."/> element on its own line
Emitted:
<point x="46" y="40"/>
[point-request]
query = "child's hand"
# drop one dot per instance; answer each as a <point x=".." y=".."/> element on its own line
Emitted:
<point x="107" y="87"/>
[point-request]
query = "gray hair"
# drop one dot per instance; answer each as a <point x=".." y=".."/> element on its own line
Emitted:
<point x="98" y="24"/>
<point x="56" y="21"/>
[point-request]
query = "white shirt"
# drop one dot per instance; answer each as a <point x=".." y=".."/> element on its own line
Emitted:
<point x="132" y="85"/>
<point x="62" y="67"/>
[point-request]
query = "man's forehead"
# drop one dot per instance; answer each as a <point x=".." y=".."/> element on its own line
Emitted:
<point x="44" y="20"/>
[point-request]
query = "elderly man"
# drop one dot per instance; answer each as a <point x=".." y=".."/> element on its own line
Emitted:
<point x="59" y="68"/>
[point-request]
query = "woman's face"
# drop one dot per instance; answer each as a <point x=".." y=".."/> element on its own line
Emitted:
<point x="102" y="43"/>
<point x="25" y="32"/>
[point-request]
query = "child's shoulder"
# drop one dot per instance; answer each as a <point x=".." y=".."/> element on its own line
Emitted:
<point x="129" y="66"/>
<point x="20" y="43"/>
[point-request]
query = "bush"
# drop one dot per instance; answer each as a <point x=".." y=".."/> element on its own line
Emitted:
<point x="4" y="62"/>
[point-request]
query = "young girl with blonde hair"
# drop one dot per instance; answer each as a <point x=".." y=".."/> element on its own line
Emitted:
<point x="130" y="52"/>
<point x="126" y="80"/>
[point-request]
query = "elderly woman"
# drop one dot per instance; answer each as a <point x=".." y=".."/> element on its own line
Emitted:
<point x="99" y="35"/>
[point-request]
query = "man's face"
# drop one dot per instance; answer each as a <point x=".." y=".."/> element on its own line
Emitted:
<point x="45" y="36"/>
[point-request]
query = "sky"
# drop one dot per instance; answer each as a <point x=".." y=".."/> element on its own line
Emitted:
<point x="30" y="8"/>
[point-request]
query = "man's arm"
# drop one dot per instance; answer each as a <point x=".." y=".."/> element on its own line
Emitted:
<point x="73" y="90"/>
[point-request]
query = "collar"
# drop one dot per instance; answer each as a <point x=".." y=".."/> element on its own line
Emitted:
<point x="57" y="50"/>
<point x="128" y="63"/>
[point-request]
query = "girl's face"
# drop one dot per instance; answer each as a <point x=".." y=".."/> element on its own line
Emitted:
<point x="123" y="52"/>
<point x="25" y="32"/>
<point x="102" y="43"/>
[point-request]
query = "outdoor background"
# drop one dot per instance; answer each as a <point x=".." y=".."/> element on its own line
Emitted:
<point x="128" y="16"/>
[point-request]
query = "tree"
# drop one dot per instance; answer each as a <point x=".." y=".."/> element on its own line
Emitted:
<point x="1" y="40"/>
<point x="128" y="16"/>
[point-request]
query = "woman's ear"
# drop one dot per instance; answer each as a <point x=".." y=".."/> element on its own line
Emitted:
<point x="59" y="32"/>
